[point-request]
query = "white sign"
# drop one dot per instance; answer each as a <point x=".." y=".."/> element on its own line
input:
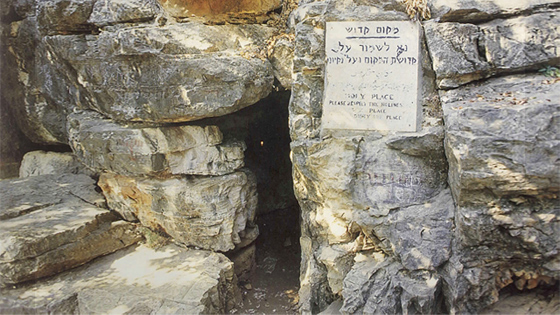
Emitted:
<point x="372" y="76"/>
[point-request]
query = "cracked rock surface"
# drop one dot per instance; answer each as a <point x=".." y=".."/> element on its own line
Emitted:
<point x="208" y="212"/>
<point x="52" y="223"/>
<point x="104" y="145"/>
<point x="170" y="280"/>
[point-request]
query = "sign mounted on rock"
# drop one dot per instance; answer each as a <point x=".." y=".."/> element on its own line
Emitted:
<point x="372" y="76"/>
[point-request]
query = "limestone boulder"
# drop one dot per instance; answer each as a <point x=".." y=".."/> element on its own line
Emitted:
<point x="354" y="188"/>
<point x="474" y="11"/>
<point x="52" y="223"/>
<point x="176" y="73"/>
<point x="132" y="70"/>
<point x="378" y="284"/>
<point x="103" y="145"/>
<point x="40" y="90"/>
<point x="502" y="137"/>
<point x="502" y="146"/>
<point x="170" y="280"/>
<point x="244" y="262"/>
<point x="206" y="212"/>
<point x="463" y="53"/>
<point x="455" y="54"/>
<point x="37" y="163"/>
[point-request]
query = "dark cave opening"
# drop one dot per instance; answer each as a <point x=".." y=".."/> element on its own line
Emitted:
<point x="272" y="286"/>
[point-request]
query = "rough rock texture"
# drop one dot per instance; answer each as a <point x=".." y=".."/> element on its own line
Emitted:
<point x="526" y="303"/>
<point x="474" y="11"/>
<point x="179" y="72"/>
<point x="141" y="71"/>
<point x="40" y="96"/>
<point x="381" y="231"/>
<point x="207" y="212"/>
<point x="108" y="12"/>
<point x="132" y="150"/>
<point x="462" y="53"/>
<point x="36" y="163"/>
<point x="282" y="59"/>
<point x="51" y="223"/>
<point x="359" y="191"/>
<point x="170" y="280"/>
<point x="13" y="143"/>
<point x="503" y="138"/>
<point x="502" y="143"/>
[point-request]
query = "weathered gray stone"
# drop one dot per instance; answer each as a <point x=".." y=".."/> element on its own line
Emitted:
<point x="51" y="223"/>
<point x="107" y="12"/>
<point x="462" y="53"/>
<point x="36" y="163"/>
<point x="170" y="280"/>
<point x="507" y="47"/>
<point x="421" y="242"/>
<point x="502" y="146"/>
<point x="207" y="212"/>
<point x="475" y="11"/>
<point x="454" y="49"/>
<point x="176" y="73"/>
<point x="502" y="136"/>
<point x="65" y="16"/>
<point x="44" y="92"/>
<point x="377" y="284"/>
<point x="282" y="59"/>
<point x="104" y="145"/>
<point x="355" y="187"/>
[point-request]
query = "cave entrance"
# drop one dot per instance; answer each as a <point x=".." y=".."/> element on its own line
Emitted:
<point x="273" y="285"/>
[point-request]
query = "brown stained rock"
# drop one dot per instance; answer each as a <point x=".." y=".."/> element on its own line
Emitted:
<point x="213" y="8"/>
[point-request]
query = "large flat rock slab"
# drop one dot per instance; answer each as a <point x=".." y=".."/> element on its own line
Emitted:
<point x="132" y="150"/>
<point x="51" y="223"/>
<point x="207" y="212"/>
<point x="176" y="73"/>
<point x="171" y="280"/>
<point x="462" y="53"/>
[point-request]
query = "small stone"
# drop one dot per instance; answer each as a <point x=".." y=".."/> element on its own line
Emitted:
<point x="287" y="242"/>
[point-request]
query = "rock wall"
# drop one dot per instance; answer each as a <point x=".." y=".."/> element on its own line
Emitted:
<point x="130" y="86"/>
<point x="439" y="220"/>
<point x="159" y="101"/>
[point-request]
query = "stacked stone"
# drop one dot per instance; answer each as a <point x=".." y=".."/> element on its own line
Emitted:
<point x="440" y="220"/>
<point x="121" y="82"/>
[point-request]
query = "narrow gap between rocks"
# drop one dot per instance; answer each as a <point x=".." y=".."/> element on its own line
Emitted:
<point x="272" y="286"/>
